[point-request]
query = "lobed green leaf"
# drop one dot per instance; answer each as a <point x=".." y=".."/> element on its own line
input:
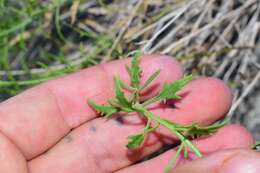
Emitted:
<point x="103" y="110"/>
<point x="150" y="79"/>
<point x="195" y="130"/>
<point x="135" y="141"/>
<point x="169" y="91"/>
<point x="120" y="96"/>
<point x="135" y="70"/>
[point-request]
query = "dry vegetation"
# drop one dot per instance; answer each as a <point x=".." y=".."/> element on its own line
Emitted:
<point x="41" y="40"/>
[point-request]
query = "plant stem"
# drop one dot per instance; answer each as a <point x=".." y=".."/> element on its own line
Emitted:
<point x="150" y="115"/>
<point x="173" y="160"/>
<point x="150" y="101"/>
<point x="23" y="83"/>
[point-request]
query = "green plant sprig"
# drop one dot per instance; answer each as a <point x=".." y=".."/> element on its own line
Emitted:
<point x="256" y="145"/>
<point x="122" y="103"/>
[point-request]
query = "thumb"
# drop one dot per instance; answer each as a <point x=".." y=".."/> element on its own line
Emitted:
<point x="227" y="161"/>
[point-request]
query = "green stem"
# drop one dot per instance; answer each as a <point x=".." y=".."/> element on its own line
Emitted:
<point x="172" y="162"/>
<point x="149" y="114"/>
<point x="150" y="101"/>
<point x="148" y="124"/>
<point x="57" y="22"/>
<point x="23" y="83"/>
<point x="149" y="130"/>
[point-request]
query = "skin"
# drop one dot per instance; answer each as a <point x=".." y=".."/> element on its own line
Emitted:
<point x="50" y="128"/>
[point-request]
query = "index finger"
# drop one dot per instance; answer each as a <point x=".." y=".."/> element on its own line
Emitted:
<point x="36" y="119"/>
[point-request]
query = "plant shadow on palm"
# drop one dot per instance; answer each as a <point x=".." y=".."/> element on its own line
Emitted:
<point x="132" y="103"/>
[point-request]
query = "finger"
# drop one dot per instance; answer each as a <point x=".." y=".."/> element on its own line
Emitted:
<point x="204" y="100"/>
<point x="44" y="114"/>
<point x="100" y="145"/>
<point x="229" y="137"/>
<point x="227" y="161"/>
<point x="11" y="159"/>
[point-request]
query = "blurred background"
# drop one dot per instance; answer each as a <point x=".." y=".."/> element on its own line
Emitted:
<point x="44" y="39"/>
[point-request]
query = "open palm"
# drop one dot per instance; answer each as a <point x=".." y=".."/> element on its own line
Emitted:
<point x="51" y="129"/>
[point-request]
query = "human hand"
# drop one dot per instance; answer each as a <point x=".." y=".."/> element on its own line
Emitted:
<point x="50" y="128"/>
